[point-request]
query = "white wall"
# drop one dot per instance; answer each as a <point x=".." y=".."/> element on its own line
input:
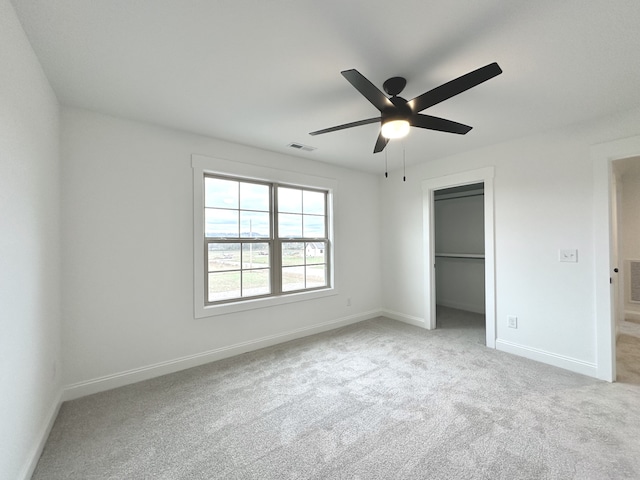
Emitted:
<point x="459" y="228"/>
<point x="128" y="252"/>
<point x="29" y="252"/>
<point x="543" y="202"/>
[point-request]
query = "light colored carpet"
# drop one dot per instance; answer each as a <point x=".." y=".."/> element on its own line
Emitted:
<point x="628" y="359"/>
<point x="376" y="400"/>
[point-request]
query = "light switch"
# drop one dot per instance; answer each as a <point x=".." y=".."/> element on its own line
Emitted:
<point x="569" y="255"/>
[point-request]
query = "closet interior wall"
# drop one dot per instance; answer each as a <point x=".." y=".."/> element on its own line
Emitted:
<point x="459" y="246"/>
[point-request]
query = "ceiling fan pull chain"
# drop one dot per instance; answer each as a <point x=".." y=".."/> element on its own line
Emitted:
<point x="386" y="168"/>
<point x="404" y="165"/>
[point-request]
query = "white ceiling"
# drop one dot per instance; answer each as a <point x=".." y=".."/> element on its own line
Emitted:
<point x="267" y="72"/>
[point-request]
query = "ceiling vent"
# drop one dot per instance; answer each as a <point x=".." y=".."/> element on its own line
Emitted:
<point x="299" y="146"/>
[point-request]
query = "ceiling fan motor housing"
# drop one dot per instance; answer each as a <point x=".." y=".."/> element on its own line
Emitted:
<point x="394" y="85"/>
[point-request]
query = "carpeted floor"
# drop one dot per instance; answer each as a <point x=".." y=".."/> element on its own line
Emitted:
<point x="628" y="359"/>
<point x="376" y="400"/>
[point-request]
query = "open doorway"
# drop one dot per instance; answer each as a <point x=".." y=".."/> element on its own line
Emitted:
<point x="603" y="156"/>
<point x="460" y="182"/>
<point x="626" y="254"/>
<point x="459" y="258"/>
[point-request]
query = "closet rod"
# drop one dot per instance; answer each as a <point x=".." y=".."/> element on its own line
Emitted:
<point x="457" y="195"/>
<point x="479" y="256"/>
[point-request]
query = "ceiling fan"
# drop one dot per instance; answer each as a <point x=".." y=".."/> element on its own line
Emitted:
<point x="397" y="115"/>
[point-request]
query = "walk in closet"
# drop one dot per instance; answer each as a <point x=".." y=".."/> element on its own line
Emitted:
<point x="459" y="247"/>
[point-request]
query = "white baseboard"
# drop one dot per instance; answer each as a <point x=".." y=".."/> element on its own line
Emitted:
<point x="135" y="375"/>
<point x="467" y="307"/>
<point x="43" y="435"/>
<point x="631" y="315"/>
<point x="568" y="363"/>
<point x="401" y="317"/>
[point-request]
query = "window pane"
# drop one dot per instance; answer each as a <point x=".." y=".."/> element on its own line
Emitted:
<point x="313" y="226"/>
<point x="255" y="255"/>
<point x="224" y="286"/>
<point x="313" y="202"/>
<point x="316" y="276"/>
<point x="289" y="226"/>
<point x="239" y="234"/>
<point x="315" y="252"/>
<point x="221" y="223"/>
<point x="292" y="278"/>
<point x="220" y="193"/>
<point x="254" y="197"/>
<point x="289" y="200"/>
<point x="292" y="253"/>
<point x="223" y="256"/>
<point x="254" y="224"/>
<point x="255" y="282"/>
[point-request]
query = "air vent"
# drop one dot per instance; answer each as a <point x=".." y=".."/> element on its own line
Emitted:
<point x="299" y="146"/>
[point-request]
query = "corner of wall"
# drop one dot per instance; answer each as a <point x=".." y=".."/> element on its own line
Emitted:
<point x="41" y="439"/>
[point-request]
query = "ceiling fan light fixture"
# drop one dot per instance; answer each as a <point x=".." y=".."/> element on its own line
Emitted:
<point x="395" y="129"/>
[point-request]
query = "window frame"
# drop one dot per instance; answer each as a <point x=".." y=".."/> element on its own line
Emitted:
<point x="203" y="165"/>
<point x="274" y="241"/>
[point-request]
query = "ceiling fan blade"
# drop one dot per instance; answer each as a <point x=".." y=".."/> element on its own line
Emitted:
<point x="380" y="143"/>
<point x="346" y="125"/>
<point x="437" y="123"/>
<point x="454" y="87"/>
<point x="368" y="89"/>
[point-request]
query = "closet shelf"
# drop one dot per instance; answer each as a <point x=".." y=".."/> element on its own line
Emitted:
<point x="461" y="255"/>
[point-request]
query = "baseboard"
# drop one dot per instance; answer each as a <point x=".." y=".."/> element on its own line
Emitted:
<point x="43" y="435"/>
<point x="135" y="375"/>
<point x="401" y="317"/>
<point x="631" y="316"/>
<point x="467" y="307"/>
<point x="568" y="363"/>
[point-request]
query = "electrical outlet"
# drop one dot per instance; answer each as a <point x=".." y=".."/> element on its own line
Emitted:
<point x="512" y="321"/>
<point x="348" y="301"/>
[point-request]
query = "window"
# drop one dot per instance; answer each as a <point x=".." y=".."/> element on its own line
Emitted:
<point x="263" y="239"/>
<point x="252" y="270"/>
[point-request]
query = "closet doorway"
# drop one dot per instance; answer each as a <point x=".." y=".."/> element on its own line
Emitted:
<point x="625" y="230"/>
<point x="459" y="257"/>
<point x="460" y="182"/>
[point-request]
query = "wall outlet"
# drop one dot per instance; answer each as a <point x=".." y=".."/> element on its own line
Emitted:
<point x="348" y="301"/>
<point x="512" y="321"/>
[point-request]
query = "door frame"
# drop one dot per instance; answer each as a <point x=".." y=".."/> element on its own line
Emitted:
<point x="603" y="155"/>
<point x="429" y="186"/>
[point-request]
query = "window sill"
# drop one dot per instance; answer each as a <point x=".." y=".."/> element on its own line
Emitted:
<point x="227" y="308"/>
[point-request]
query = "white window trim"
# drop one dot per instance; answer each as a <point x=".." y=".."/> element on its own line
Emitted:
<point x="202" y="164"/>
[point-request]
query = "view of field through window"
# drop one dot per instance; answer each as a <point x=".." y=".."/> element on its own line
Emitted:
<point x="243" y="248"/>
